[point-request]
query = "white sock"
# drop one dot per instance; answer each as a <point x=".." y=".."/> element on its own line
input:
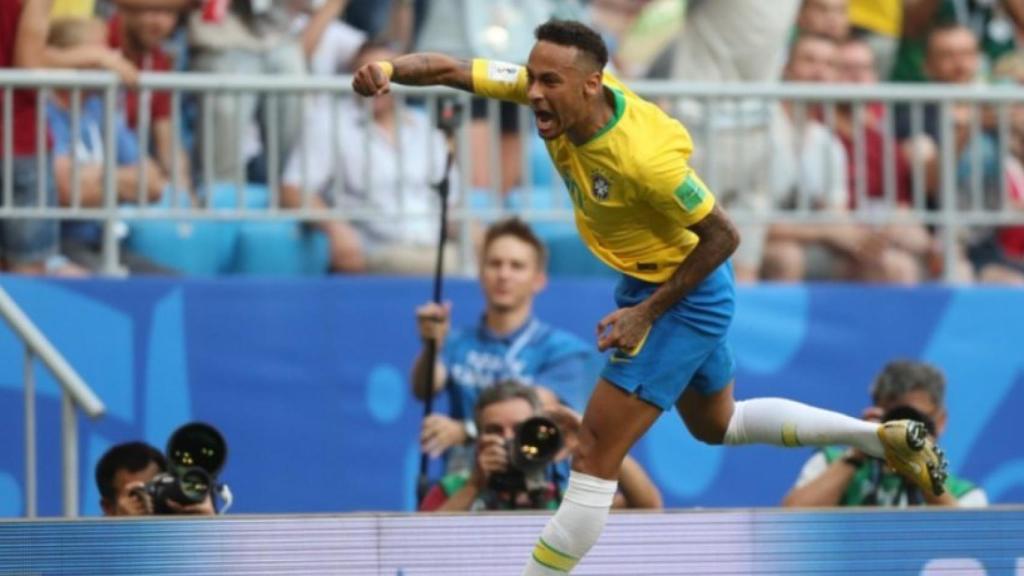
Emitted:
<point x="787" y="423"/>
<point x="574" y="528"/>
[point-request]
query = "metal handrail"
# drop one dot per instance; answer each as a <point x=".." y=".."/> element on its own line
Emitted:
<point x="748" y="105"/>
<point x="75" y="393"/>
<point x="186" y="81"/>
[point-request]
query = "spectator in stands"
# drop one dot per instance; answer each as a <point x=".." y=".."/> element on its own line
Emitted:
<point x="908" y="242"/>
<point x="507" y="343"/>
<point x="328" y="43"/>
<point x="139" y="33"/>
<point x="31" y="246"/>
<point x="498" y="412"/>
<point x="122" y="472"/>
<point x="995" y="25"/>
<point x="500" y="31"/>
<point x="401" y="238"/>
<point x="254" y="37"/>
<point x="810" y="167"/>
<point x="28" y="246"/>
<point x="81" y="241"/>
<point x="953" y="58"/>
<point x="840" y="477"/>
<point x="828" y="18"/>
<point x="1010" y="70"/>
<point x="879" y="23"/>
<point x="732" y="41"/>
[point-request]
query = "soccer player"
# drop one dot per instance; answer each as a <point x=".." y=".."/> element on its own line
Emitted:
<point x="642" y="209"/>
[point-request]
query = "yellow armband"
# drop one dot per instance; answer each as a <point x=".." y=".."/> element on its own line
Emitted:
<point x="387" y="67"/>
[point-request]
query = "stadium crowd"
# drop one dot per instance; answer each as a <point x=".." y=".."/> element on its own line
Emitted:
<point x="810" y="151"/>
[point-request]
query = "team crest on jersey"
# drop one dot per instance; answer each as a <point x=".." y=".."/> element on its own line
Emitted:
<point x="600" y="185"/>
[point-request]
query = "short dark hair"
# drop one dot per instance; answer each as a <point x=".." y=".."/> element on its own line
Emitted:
<point x="130" y="456"/>
<point x="504" y="391"/>
<point x="900" y="377"/>
<point x="577" y="35"/>
<point x="517" y="229"/>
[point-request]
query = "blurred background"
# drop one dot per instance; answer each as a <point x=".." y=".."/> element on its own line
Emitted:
<point x="206" y="225"/>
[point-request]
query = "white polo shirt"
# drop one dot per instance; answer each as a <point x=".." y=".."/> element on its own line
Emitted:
<point x="406" y="214"/>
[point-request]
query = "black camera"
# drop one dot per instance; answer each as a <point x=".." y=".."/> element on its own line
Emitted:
<point x="903" y="412"/>
<point x="536" y="443"/>
<point x="196" y="453"/>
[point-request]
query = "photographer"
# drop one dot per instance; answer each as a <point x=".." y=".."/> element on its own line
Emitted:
<point x="496" y="484"/>
<point x="123" y="472"/>
<point x="839" y="477"/>
<point x="507" y="343"/>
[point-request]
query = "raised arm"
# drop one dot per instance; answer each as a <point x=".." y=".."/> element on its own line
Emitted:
<point x="419" y="69"/>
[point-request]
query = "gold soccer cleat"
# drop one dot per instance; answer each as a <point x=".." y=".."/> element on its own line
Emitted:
<point x="910" y="452"/>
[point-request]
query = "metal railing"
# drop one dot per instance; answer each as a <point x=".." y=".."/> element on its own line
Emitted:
<point x="74" y="394"/>
<point x="949" y="207"/>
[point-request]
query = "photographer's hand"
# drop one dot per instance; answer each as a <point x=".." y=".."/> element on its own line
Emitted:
<point x="134" y="501"/>
<point x="491" y="457"/>
<point x="440" y="433"/>
<point x="204" y="508"/>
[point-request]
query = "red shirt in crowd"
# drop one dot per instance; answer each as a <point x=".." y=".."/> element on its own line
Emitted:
<point x="1011" y="238"/>
<point x="874" y="156"/>
<point x="154" y="61"/>
<point x="24" y="113"/>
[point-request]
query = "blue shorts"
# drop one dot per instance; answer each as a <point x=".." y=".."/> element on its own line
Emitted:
<point x="686" y="346"/>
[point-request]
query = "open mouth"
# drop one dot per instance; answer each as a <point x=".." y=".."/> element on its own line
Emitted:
<point x="545" y="120"/>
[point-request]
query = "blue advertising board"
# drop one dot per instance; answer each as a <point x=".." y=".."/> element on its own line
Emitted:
<point x="307" y="379"/>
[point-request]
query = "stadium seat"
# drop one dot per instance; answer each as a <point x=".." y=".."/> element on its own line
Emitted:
<point x="281" y="248"/>
<point x="265" y="248"/>
<point x="212" y="247"/>
<point x="193" y="247"/>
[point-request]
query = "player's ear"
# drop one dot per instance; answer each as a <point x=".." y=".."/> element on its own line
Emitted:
<point x="540" y="282"/>
<point x="595" y="83"/>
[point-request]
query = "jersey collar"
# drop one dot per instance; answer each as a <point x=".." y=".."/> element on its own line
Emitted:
<point x="620" y="108"/>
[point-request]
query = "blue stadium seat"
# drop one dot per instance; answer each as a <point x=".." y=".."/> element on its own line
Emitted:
<point x="264" y="248"/>
<point x="225" y="195"/>
<point x="282" y="248"/>
<point x="193" y="247"/>
<point x="206" y="247"/>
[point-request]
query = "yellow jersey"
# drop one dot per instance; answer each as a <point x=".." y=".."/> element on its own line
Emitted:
<point x="634" y="193"/>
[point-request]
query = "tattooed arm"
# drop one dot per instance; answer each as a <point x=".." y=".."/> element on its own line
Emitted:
<point x="419" y="69"/>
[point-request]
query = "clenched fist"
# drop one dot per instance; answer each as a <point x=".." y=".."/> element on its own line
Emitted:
<point x="371" y="80"/>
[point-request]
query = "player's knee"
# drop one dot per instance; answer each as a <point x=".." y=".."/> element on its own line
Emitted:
<point x="708" y="428"/>
<point x="712" y="433"/>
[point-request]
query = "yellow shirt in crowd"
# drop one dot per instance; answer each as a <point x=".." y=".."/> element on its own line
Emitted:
<point x="882" y="16"/>
<point x="72" y="8"/>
